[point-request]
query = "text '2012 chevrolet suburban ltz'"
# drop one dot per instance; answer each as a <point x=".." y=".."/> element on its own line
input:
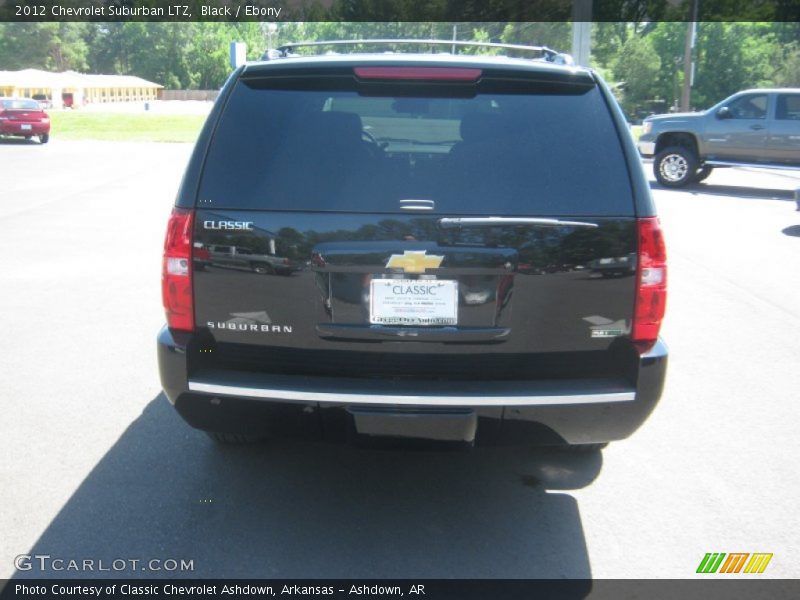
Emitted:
<point x="470" y="251"/>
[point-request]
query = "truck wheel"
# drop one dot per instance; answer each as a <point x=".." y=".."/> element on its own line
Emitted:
<point x="44" y="138"/>
<point x="675" y="167"/>
<point x="233" y="438"/>
<point x="262" y="268"/>
<point x="702" y="174"/>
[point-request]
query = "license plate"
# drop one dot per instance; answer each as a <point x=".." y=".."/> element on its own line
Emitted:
<point x="413" y="302"/>
<point x="25" y="127"/>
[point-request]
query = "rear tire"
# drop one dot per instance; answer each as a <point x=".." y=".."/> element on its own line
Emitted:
<point x="44" y="138"/>
<point x="675" y="167"/>
<point x="235" y="439"/>
<point x="263" y="268"/>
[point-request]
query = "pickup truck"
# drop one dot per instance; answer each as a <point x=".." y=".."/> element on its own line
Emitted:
<point x="239" y="257"/>
<point x="756" y="128"/>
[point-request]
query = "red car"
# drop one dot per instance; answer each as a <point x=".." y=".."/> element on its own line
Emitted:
<point x="24" y="117"/>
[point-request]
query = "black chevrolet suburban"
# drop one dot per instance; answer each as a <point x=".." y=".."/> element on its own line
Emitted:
<point x="449" y="217"/>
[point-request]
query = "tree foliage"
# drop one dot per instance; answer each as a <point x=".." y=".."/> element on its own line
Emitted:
<point x="642" y="59"/>
<point x="787" y="72"/>
<point x="636" y="67"/>
<point x="55" y="46"/>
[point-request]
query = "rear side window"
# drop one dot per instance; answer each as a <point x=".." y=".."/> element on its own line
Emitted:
<point x="753" y="106"/>
<point x="788" y="108"/>
<point x="550" y="153"/>
<point x="20" y="104"/>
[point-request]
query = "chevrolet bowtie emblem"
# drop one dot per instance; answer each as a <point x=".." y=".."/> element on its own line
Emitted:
<point x="412" y="261"/>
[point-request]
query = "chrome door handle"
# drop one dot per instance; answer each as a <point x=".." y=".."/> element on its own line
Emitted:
<point x="415" y="204"/>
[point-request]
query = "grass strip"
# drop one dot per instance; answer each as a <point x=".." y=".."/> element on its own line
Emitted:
<point x="69" y="125"/>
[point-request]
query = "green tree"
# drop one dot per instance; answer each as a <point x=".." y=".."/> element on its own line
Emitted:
<point x="110" y="48"/>
<point x="636" y="68"/>
<point x="728" y="56"/>
<point x="731" y="57"/>
<point x="50" y="46"/>
<point x="787" y="74"/>
<point x="208" y="57"/>
<point x="160" y="52"/>
<point x="668" y="41"/>
<point x="557" y="36"/>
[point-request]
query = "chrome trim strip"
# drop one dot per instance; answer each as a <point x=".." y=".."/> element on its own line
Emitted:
<point x="467" y="221"/>
<point x="416" y="334"/>
<point x="401" y="399"/>
<point x="648" y="148"/>
<point x="725" y="163"/>
<point x="411" y="204"/>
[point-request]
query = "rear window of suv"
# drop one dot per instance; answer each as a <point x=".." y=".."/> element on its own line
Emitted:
<point x="22" y="104"/>
<point x="299" y="147"/>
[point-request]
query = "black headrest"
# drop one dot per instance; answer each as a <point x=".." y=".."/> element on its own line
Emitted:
<point x="481" y="126"/>
<point x="343" y="126"/>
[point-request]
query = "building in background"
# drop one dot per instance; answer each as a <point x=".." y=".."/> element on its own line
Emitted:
<point x="72" y="90"/>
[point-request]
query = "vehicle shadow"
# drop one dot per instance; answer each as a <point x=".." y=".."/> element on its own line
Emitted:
<point x="792" y="230"/>
<point x="18" y="141"/>
<point x="731" y="191"/>
<point x="288" y="509"/>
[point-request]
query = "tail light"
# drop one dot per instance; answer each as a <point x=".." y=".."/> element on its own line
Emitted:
<point x="419" y="73"/>
<point x="651" y="284"/>
<point x="176" y="275"/>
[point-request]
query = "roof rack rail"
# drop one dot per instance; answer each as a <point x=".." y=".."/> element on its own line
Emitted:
<point x="548" y="54"/>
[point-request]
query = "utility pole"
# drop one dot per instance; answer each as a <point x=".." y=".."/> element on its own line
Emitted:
<point x="688" y="62"/>
<point x="581" y="31"/>
<point x="272" y="27"/>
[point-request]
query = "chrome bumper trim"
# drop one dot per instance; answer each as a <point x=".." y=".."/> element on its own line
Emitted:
<point x="290" y="395"/>
<point x="647" y="148"/>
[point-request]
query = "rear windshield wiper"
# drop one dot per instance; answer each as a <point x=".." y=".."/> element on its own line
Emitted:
<point x="417" y="142"/>
<point x="450" y="222"/>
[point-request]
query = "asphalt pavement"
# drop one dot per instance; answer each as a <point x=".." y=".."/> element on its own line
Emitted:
<point x="95" y="464"/>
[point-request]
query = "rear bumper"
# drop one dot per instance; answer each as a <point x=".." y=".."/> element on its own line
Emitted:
<point x="15" y="128"/>
<point x="485" y="412"/>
